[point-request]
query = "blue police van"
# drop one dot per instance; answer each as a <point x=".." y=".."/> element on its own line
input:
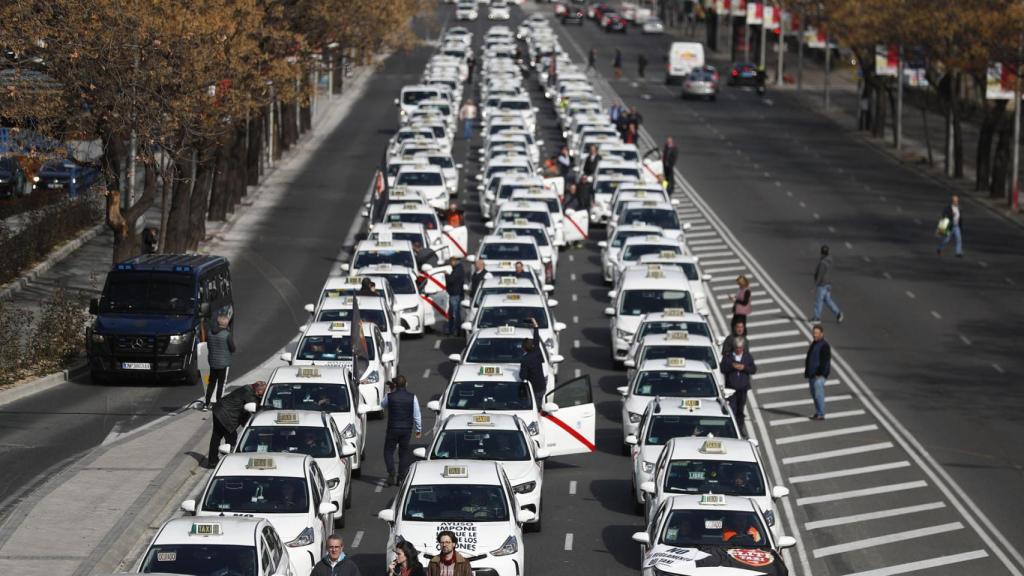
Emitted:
<point x="149" y="318"/>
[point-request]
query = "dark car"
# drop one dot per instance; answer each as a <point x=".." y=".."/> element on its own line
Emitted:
<point x="573" y="14"/>
<point x="149" y="315"/>
<point x="65" y="175"/>
<point x="614" y="22"/>
<point x="12" y="179"/>
<point x="743" y="74"/>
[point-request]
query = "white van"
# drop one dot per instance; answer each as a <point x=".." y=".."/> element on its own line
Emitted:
<point x="682" y="58"/>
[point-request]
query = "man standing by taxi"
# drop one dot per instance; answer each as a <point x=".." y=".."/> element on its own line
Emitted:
<point x="468" y="115"/>
<point x="669" y="156"/>
<point x="229" y="414"/>
<point x="404" y="419"/>
<point x="479" y="274"/>
<point x="455" y="285"/>
<point x="531" y="367"/>
<point x="817" y="368"/>
<point x="335" y="562"/>
<point x="738" y="368"/>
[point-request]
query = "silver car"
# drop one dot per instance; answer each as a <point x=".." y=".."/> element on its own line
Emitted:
<point x="701" y="83"/>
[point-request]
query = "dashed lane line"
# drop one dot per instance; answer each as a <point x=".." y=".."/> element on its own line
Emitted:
<point x="890" y="513"/>
<point x="572" y="487"/>
<point x="568" y="541"/>
<point x="861" y="492"/>
<point x="777" y="373"/>
<point x="886" y="539"/>
<point x="778" y="359"/>
<point x="824" y="434"/>
<point x="783" y="346"/>
<point x="777" y="334"/>
<point x="838" y="453"/>
<point x="936" y="315"/>
<point x="848" y="472"/>
<point x="357" y="539"/>
<point x="802" y="401"/>
<point x="805" y="420"/>
<point x="773" y="322"/>
<point x="924" y="564"/>
<point x="790" y="387"/>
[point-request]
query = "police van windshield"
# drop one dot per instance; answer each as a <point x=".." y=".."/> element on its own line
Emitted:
<point x="490" y="396"/>
<point x="661" y="327"/>
<point x="428" y="220"/>
<point x="456" y="503"/>
<point x="660" y="217"/>
<point x="482" y="444"/>
<point x="508" y="251"/>
<point x="148" y="293"/>
<point x="326" y="397"/>
<point x="495" y="351"/>
<point x="675" y="383"/>
<point x="330" y="348"/>
<point x="692" y="528"/>
<point x="665" y="428"/>
<point x="537" y="234"/>
<point x="494" y="316"/>
<point x="420" y="179"/>
<point x="372" y="315"/>
<point x="393" y="257"/>
<point x="201" y="560"/>
<point x="534" y="216"/>
<point x="257" y="495"/>
<point x="703" y="354"/>
<point x="636" y="302"/>
<point x="718" y="476"/>
<point x="315" y="442"/>
<point x="633" y="252"/>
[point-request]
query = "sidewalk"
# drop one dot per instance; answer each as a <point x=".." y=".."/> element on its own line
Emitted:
<point x="117" y="495"/>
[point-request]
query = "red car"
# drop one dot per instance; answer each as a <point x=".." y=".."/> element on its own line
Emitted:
<point x="613" y="22"/>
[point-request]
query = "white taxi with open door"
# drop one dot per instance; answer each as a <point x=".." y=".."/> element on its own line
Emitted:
<point x="456" y="238"/>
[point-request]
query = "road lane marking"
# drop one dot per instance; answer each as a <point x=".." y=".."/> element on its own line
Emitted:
<point x="358" y="539"/>
<point x="426" y="373"/>
<point x="825" y="434"/>
<point x="574" y="298"/>
<point x="802" y="205"/>
<point x="717" y="254"/>
<point x="866" y="259"/>
<point x="936" y="315"/>
<point x="575" y="343"/>
<point x="924" y="564"/>
<point x="437" y="344"/>
<point x="725" y="269"/>
<point x="772" y="322"/>
<point x="572" y="487"/>
<point x="577" y="373"/>
<point x="849" y="472"/>
<point x="708" y="264"/>
<point x="571" y="258"/>
<point x="965" y="340"/>
<point x="832" y="229"/>
<point x="804" y="419"/>
<point x="575" y="319"/>
<point x="701" y="234"/>
<point x="879" y="540"/>
<point x="839" y="453"/>
<point x="777" y="373"/>
<point x="568" y="541"/>
<point x="861" y="492"/>
<point x="783" y="346"/>
<point x="791" y="387"/>
<point x="777" y="359"/>
<point x="752" y="293"/>
<point x="911" y="295"/>
<point x="998" y="368"/>
<point x="891" y="513"/>
<point x="887" y="276"/>
<point x="572" y="277"/>
<point x="693" y="243"/>
<point x="767" y="335"/>
<point x="848" y="245"/>
<point x="982" y="263"/>
<point x="816" y="216"/>
<point x="803" y="401"/>
<point x="380" y="485"/>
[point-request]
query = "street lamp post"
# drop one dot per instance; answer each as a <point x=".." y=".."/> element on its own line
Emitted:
<point x="780" y="75"/>
<point x="899" y="101"/>
<point x="828" y="71"/>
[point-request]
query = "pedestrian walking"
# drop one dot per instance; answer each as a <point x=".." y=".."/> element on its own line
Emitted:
<point x="421" y="254"/>
<point x="220" y="345"/>
<point x="617" y="63"/>
<point x="817" y="368"/>
<point x="335" y="562"/>
<point x="739" y="331"/>
<point x="741" y="305"/>
<point x="592" y="60"/>
<point x="407" y="561"/>
<point x="470" y="63"/>
<point x="531" y="367"/>
<point x="228" y="415"/>
<point x="468" y="115"/>
<point x="635" y="117"/>
<point x="448" y="562"/>
<point x="669" y="155"/>
<point x="641" y="66"/>
<point x="455" y="285"/>
<point x="823" y="287"/>
<point x="738" y="368"/>
<point x="404" y="419"/>
<point x="479" y="274"/>
<point x="150" y="240"/>
<point x="552" y="71"/>
<point x="951" y="227"/>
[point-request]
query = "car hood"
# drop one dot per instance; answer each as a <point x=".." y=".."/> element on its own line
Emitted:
<point x="404" y="301"/>
<point x="720" y="561"/>
<point x="519" y="471"/>
<point x="650" y="453"/>
<point x="125" y="324"/>
<point x="628" y="323"/>
<point x="475" y="538"/>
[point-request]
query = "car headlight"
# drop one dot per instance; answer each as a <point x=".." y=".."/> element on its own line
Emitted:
<point x="305" y="538"/>
<point x="533" y="428"/>
<point x="333" y="483"/>
<point x="647" y="467"/>
<point x="622" y="334"/>
<point x="411" y="310"/>
<point x="98" y="338"/>
<point x="634" y="418"/>
<point x="524" y="488"/>
<point x="769" y="517"/>
<point x="35" y="178"/>
<point x="349" y="432"/>
<point x="372" y="377"/>
<point x="180" y="338"/>
<point x="511" y="546"/>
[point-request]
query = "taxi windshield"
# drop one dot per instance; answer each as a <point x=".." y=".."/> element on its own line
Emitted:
<point x="415" y="96"/>
<point x="718" y="476"/>
<point x="633" y="252"/>
<point x="315" y="442"/>
<point x="663" y="326"/>
<point x="636" y="302"/>
<point x="625" y="155"/>
<point x="330" y="348"/>
<point x="506" y="150"/>
<point x="420" y="179"/>
<point x="665" y="428"/>
<point x="508" y="251"/>
<point x="201" y="560"/>
<point x="410" y="237"/>
<point x="535" y="216"/>
<point x="489" y="396"/>
<point x="442" y="161"/>
<point x="257" y="495"/>
<point x="371" y="315"/>
<point x="675" y="383"/>
<point x="660" y="217"/>
<point x="494" y="316"/>
<point x="703" y="354"/>
<point x="537" y="234"/>
<point x="429" y="220"/>
<point x="400" y="283"/>
<point x="514" y="105"/>
<point x="714" y="527"/>
<point x="482" y="444"/>
<point x="393" y="257"/>
<point x="495" y="351"/>
<point x="481" y="292"/>
<point x="507" y="169"/>
<point x="456" y="503"/>
<point x="622" y="235"/>
<point x="607" y="186"/>
<point x="326" y="397"/>
<point x="630" y="171"/>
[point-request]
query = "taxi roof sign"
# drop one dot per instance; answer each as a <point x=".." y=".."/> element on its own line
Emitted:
<point x="456" y="472"/>
<point x="490" y="371"/>
<point x="668" y="254"/>
<point x="674" y="311"/>
<point x="712" y="500"/>
<point x="353" y="280"/>
<point x="307" y="372"/>
<point x="205" y="529"/>
<point x="521" y="222"/>
<point x="506" y="330"/>
<point x="261" y="463"/>
<point x="655" y="274"/>
<point x="481" y="420"/>
<point x="712" y="446"/>
<point x="505" y="264"/>
<point x="508" y="281"/>
<point x="287" y="418"/>
<point x="338" y="325"/>
<point x="677" y="335"/>
<point x="509" y="236"/>
<point x="691" y="404"/>
<point x="513" y="297"/>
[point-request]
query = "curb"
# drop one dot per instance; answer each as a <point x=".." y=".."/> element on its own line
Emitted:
<point x="51" y="260"/>
<point x="25" y="389"/>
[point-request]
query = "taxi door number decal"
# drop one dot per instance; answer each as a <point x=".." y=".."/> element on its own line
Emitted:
<point x="572" y="432"/>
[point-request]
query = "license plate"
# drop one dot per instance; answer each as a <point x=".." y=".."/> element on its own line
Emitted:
<point x="135" y="365"/>
<point x="54" y="185"/>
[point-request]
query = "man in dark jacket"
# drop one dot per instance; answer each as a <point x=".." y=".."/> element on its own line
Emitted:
<point x="738" y="368"/>
<point x="229" y="414"/>
<point x="335" y="562"/>
<point x="669" y="155"/>
<point x="739" y="331"/>
<point x="404" y="418"/>
<point x="220" y="345"/>
<point x="584" y="192"/>
<point x="456" y="288"/>
<point x="590" y="162"/>
<point x="817" y="368"/>
<point x="823" y="287"/>
<point x="531" y="367"/>
<point x="479" y="274"/>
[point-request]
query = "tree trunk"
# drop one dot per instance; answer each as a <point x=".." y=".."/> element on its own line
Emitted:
<point x="306" y="118"/>
<point x="200" y="200"/>
<point x="1001" y="165"/>
<point x="288" y="135"/>
<point x="278" y="135"/>
<point x="986" y="137"/>
<point x="220" y="193"/>
<point x="255" y="149"/>
<point x="166" y="188"/>
<point x="238" y="168"/>
<point x="177" y="221"/>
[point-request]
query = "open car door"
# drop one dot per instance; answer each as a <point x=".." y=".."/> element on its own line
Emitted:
<point x="456" y="239"/>
<point x="570" y="430"/>
<point x="576" y="225"/>
<point x="432" y="286"/>
<point x="556" y="184"/>
<point x="653" y="170"/>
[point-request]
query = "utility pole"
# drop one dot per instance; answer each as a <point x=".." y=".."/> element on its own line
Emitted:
<point x="899" y="101"/>
<point x="828" y="71"/>
<point x="764" y="39"/>
<point x="780" y="75"/>
<point x="746" y="39"/>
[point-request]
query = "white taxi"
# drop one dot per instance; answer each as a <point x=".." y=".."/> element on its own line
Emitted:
<point x="500" y="285"/>
<point x="712" y="534"/>
<point x="653" y="213"/>
<point x="456" y="238"/>
<point x="287" y="489"/>
<point x="679" y="344"/>
<point x="517" y="310"/>
<point x="411" y="290"/>
<point x="690" y="265"/>
<point x="228" y="545"/>
<point x="374" y="252"/>
<point x="536" y="212"/>
<point x="504" y="345"/>
<point x="637" y="246"/>
<point x="326" y="389"/>
<point x="303" y="432"/>
<point x="371" y="309"/>
<point x="512" y="247"/>
<point x="643" y="291"/>
<point x="472" y="499"/>
<point x="330" y="344"/>
<point x="611" y="247"/>
<point x="668" y="378"/>
<point x="573" y="224"/>
<point x="604" y="190"/>
<point x="428" y="181"/>
<point x="667" y="418"/>
<point x="539" y="234"/>
<point x="501" y="438"/>
<point x="729" y="466"/>
<point x="668" y="320"/>
<point x="411" y="233"/>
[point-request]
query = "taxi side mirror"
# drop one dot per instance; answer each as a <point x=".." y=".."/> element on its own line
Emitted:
<point x="434" y="406"/>
<point x="641" y="538"/>
<point x="466" y="326"/>
<point x="387" y="515"/>
<point x="471" y="258"/>
<point x="648" y="488"/>
<point x="398" y="330"/>
<point x="609" y="311"/>
<point x="224" y="449"/>
<point x="629" y="363"/>
<point x="612" y="294"/>
<point x="557" y="359"/>
<point x="631" y="440"/>
<point x="396" y="101"/>
<point x="728" y="393"/>
<point x="780" y="492"/>
<point x="708" y="278"/>
<point x="602" y="244"/>
<point x="345" y="267"/>
<point x="623" y="390"/>
<point x="363" y="409"/>
<point x="348" y="450"/>
<point x="552" y="302"/>
<point x="559" y="326"/>
<point x="550" y="407"/>
<point x="309" y="308"/>
<point x="189" y="506"/>
<point x="459" y="166"/>
<point x="787" y="542"/>
<point x="549" y="288"/>
<point x="286" y="356"/>
<point x="327" y="508"/>
<point x="420" y="452"/>
<point x="489" y="225"/>
<point x="525" y="515"/>
<point x="675" y="202"/>
<point x="427" y="267"/>
<point x="387" y="357"/>
<point x="542" y="454"/>
<point x="465" y="304"/>
<point x="250" y="407"/>
<point x="455" y="358"/>
<point x="687" y="226"/>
